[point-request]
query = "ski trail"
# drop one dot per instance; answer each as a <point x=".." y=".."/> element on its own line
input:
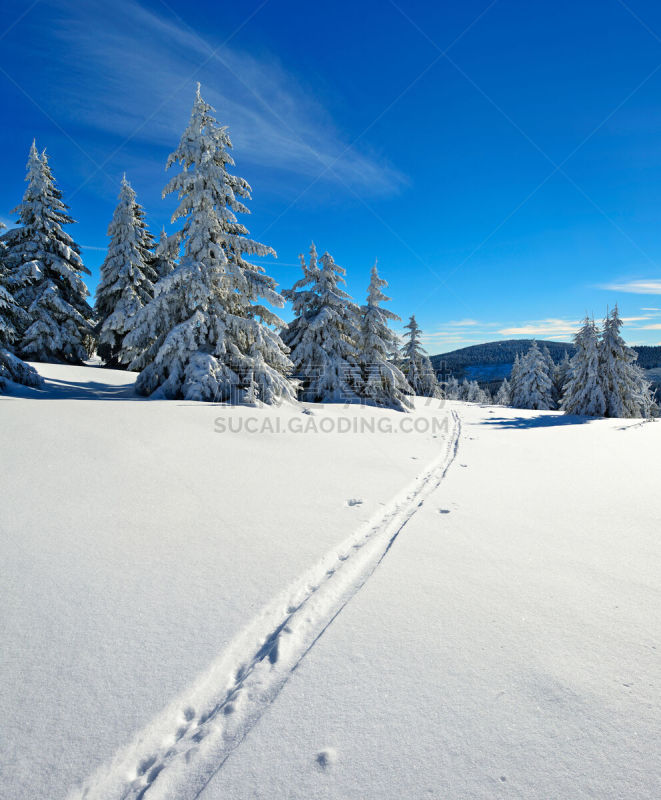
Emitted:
<point x="177" y="754"/>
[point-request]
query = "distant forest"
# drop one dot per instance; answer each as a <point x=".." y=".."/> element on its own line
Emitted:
<point x="489" y="363"/>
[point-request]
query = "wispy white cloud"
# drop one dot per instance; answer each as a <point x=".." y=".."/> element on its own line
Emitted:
<point x="651" y="286"/>
<point x="463" y="323"/>
<point x="656" y="326"/>
<point x="121" y="63"/>
<point x="650" y="309"/>
<point x="546" y="328"/>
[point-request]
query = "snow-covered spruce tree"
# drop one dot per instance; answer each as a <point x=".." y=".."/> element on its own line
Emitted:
<point x="534" y="388"/>
<point x="550" y="371"/>
<point x="504" y="394"/>
<point x="204" y="336"/>
<point x="561" y="374"/>
<point x="417" y="366"/>
<point x="626" y="390"/>
<point x="383" y="383"/>
<point x="166" y="254"/>
<point x="583" y="393"/>
<point x="515" y="376"/>
<point x="323" y="336"/>
<point x="127" y="275"/>
<point x="45" y="263"/>
<point x="452" y="389"/>
<point x="12" y="319"/>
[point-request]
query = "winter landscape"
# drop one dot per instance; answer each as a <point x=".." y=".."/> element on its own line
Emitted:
<point x="279" y="519"/>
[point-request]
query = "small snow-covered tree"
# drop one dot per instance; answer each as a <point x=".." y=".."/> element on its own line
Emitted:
<point x="534" y="389"/>
<point x="515" y="376"/>
<point x="550" y="371"/>
<point x="504" y="394"/>
<point x="323" y="335"/>
<point x="382" y="381"/>
<point x="127" y="275"/>
<point x="626" y="390"/>
<point x="583" y="393"/>
<point x="561" y="374"/>
<point x="452" y="389"/>
<point x="166" y="254"/>
<point x="45" y="263"/>
<point x="417" y="366"/>
<point x="205" y="336"/>
<point x="12" y="319"/>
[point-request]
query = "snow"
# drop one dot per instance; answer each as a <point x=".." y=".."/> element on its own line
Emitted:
<point x="502" y="645"/>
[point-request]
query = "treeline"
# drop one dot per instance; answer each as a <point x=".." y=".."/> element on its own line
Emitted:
<point x="602" y="379"/>
<point x="191" y="313"/>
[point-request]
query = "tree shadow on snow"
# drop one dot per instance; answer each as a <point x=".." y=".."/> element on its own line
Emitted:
<point x="541" y="421"/>
<point x="57" y="389"/>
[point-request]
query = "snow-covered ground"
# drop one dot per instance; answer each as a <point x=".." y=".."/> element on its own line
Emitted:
<point x="465" y="610"/>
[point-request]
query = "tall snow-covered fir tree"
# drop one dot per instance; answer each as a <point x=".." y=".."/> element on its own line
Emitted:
<point x="561" y="374"/>
<point x="534" y="388"/>
<point x="45" y="262"/>
<point x="583" y="393"/>
<point x="127" y="275"/>
<point x="550" y="371"/>
<point x="417" y="367"/>
<point x="324" y="333"/>
<point x="504" y="394"/>
<point x="383" y="383"/>
<point x="515" y="376"/>
<point x="12" y="319"/>
<point x="205" y="336"/>
<point x="626" y="390"/>
<point x="166" y="254"/>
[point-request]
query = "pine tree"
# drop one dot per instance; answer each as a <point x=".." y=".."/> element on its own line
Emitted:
<point x="452" y="389"/>
<point x="561" y="374"/>
<point x="323" y="336"/>
<point x="418" y="368"/>
<point x="515" y="376"/>
<point x="626" y="390"/>
<point x="504" y="394"/>
<point x="12" y="319"/>
<point x="45" y="262"/>
<point x="127" y="275"/>
<point x="204" y="336"/>
<point x="583" y="392"/>
<point x="382" y="382"/>
<point x="550" y="371"/>
<point x="534" y="389"/>
<point x="166" y="254"/>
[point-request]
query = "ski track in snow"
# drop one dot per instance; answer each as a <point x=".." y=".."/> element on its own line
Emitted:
<point x="179" y="752"/>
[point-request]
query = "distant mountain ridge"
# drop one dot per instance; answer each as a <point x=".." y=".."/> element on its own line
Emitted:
<point x="492" y="361"/>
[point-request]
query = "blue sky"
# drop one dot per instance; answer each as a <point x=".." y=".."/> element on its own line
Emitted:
<point x="502" y="160"/>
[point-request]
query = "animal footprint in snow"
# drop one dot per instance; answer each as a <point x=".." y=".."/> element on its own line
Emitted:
<point x="443" y="510"/>
<point x="325" y="758"/>
<point x="354" y="501"/>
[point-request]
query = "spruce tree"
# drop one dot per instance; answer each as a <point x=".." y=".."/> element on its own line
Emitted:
<point x="452" y="389"/>
<point x="382" y="381"/>
<point x="417" y="366"/>
<point x="323" y="336"/>
<point x="12" y="320"/>
<point x="127" y="275"/>
<point x="550" y="371"/>
<point x="583" y="393"/>
<point x="205" y="336"/>
<point x="561" y="374"/>
<point x="45" y="262"/>
<point x="534" y="389"/>
<point x="626" y="390"/>
<point x="515" y="376"/>
<point x="504" y="394"/>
